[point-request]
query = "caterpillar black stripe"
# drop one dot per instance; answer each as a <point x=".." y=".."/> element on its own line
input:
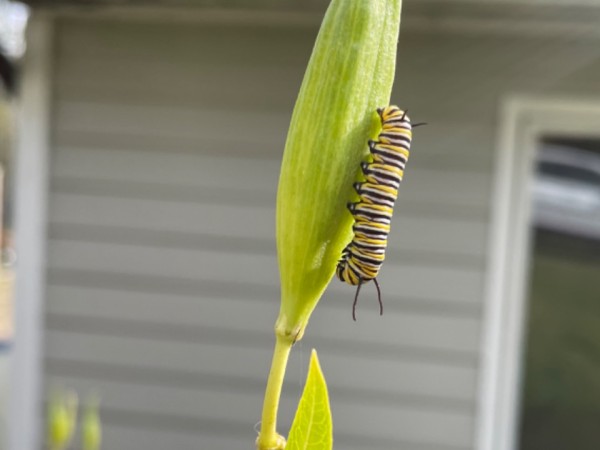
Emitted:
<point x="363" y="256"/>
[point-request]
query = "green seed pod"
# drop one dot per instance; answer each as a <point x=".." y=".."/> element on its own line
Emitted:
<point x="350" y="75"/>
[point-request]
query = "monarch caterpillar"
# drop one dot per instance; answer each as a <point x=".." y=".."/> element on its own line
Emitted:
<point x="363" y="256"/>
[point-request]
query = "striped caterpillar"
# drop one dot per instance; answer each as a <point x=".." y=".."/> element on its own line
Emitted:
<point x="363" y="256"/>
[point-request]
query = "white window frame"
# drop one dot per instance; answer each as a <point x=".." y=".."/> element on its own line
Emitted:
<point x="31" y="190"/>
<point x="523" y="120"/>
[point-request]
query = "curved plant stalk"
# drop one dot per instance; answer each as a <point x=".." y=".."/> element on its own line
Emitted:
<point x="269" y="438"/>
<point x="349" y="75"/>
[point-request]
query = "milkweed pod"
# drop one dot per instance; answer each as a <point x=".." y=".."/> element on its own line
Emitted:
<point x="349" y="75"/>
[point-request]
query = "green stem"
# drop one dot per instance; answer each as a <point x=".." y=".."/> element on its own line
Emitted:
<point x="268" y="439"/>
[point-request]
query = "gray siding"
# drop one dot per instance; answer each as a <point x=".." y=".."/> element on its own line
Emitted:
<point x="162" y="278"/>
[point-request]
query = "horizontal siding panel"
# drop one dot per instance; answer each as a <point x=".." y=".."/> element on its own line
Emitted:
<point x="111" y="70"/>
<point x="179" y="217"/>
<point x="126" y="259"/>
<point x="143" y="42"/>
<point x="469" y="189"/>
<point x="192" y="195"/>
<point x="461" y="285"/>
<point x="250" y="356"/>
<point x="357" y="418"/>
<point x="149" y="74"/>
<point x="221" y="125"/>
<point x="167" y="168"/>
<point x="210" y="145"/>
<point x="158" y="82"/>
<point x="407" y="328"/>
<point x="409" y="232"/>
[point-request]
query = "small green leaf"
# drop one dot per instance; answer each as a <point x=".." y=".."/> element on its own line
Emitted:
<point x="312" y="428"/>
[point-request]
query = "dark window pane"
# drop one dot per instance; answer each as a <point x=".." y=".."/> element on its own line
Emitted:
<point x="570" y="173"/>
<point x="561" y="397"/>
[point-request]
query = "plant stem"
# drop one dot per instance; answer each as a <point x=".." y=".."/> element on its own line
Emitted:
<point x="268" y="439"/>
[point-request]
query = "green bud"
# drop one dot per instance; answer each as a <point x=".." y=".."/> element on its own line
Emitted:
<point x="91" y="427"/>
<point x="62" y="419"/>
<point x="350" y="75"/>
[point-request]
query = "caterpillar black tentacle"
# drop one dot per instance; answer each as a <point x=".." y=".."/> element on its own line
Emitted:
<point x="363" y="256"/>
<point x="378" y="296"/>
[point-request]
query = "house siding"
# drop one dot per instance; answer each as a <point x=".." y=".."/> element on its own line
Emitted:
<point x="162" y="283"/>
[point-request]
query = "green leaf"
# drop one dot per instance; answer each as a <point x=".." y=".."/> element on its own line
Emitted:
<point x="349" y="75"/>
<point x="312" y="428"/>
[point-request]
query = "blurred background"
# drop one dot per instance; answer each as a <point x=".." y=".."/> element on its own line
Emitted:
<point x="140" y="144"/>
